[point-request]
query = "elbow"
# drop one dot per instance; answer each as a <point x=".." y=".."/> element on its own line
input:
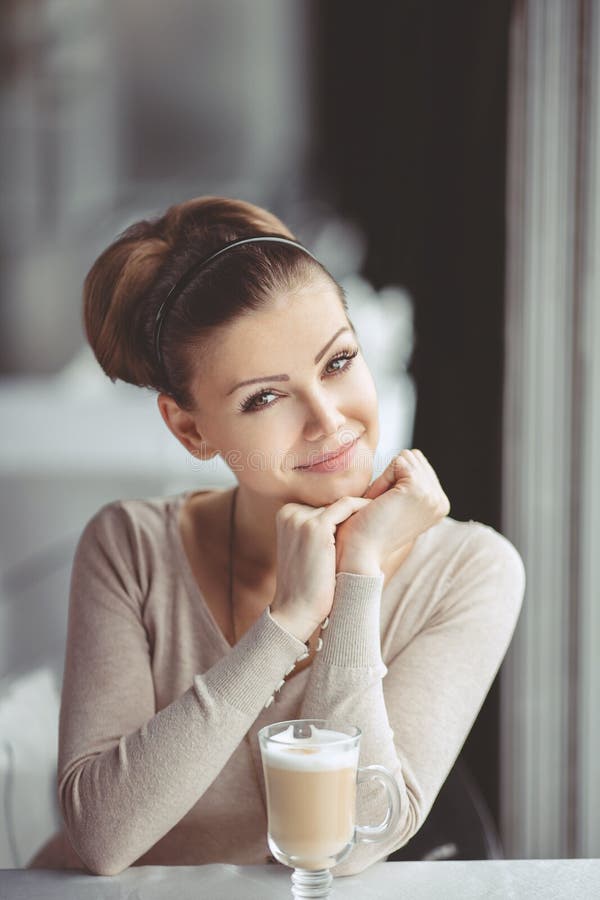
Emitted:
<point x="98" y="855"/>
<point x="364" y="855"/>
<point x="97" y="851"/>
<point x="94" y="865"/>
<point x="104" y="867"/>
<point x="96" y="858"/>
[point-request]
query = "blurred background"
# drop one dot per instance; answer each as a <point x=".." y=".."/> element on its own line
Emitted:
<point x="442" y="160"/>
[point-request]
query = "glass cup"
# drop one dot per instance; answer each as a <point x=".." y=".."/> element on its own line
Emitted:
<point x="311" y="773"/>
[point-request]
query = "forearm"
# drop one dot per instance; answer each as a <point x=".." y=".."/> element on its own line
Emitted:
<point x="346" y="675"/>
<point x="119" y="795"/>
<point x="346" y="684"/>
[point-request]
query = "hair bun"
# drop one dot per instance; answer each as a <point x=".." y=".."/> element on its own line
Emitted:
<point x="129" y="281"/>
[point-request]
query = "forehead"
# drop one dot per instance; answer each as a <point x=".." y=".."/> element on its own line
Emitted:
<point x="288" y="327"/>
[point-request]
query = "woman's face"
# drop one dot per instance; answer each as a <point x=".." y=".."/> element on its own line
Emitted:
<point x="311" y="394"/>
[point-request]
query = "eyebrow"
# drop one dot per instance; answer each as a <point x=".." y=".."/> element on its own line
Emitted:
<point x="287" y="377"/>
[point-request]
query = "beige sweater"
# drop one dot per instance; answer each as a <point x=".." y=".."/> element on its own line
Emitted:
<point x="153" y="767"/>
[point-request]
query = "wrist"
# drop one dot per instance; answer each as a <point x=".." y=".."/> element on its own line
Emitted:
<point x="301" y="631"/>
<point x="357" y="564"/>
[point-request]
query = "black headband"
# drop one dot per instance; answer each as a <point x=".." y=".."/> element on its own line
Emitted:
<point x="191" y="273"/>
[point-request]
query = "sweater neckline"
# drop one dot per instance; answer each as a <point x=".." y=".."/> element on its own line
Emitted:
<point x="174" y="506"/>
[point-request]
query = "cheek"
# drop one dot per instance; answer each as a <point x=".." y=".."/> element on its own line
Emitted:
<point x="277" y="428"/>
<point x="364" y="390"/>
<point x="263" y="443"/>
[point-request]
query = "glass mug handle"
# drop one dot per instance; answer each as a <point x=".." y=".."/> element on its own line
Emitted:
<point x="369" y="834"/>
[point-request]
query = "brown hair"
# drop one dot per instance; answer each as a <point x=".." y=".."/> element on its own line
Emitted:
<point x="130" y="279"/>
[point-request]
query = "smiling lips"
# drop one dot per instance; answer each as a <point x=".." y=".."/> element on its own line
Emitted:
<point x="326" y="462"/>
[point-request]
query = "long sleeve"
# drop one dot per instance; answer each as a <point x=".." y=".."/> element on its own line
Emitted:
<point x="127" y="773"/>
<point x="416" y="712"/>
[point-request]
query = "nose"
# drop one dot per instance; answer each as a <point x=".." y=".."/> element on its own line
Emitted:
<point x="324" y="417"/>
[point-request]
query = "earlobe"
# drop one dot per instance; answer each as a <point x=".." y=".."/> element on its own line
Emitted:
<point x="183" y="426"/>
<point x="205" y="452"/>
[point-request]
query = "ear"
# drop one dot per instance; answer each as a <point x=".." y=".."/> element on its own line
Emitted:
<point x="183" y="425"/>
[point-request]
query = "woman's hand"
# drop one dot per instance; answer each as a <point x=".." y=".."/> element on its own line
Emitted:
<point x="406" y="500"/>
<point x="306" y="560"/>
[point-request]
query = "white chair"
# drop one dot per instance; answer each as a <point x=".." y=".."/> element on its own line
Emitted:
<point x="29" y="707"/>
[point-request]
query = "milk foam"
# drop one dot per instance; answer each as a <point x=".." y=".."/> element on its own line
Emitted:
<point x="316" y="753"/>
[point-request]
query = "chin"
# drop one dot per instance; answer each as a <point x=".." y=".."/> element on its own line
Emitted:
<point x="327" y="488"/>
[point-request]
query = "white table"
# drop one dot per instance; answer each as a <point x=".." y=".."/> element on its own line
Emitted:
<point x="572" y="879"/>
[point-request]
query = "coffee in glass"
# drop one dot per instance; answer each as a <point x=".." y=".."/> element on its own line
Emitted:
<point x="311" y="772"/>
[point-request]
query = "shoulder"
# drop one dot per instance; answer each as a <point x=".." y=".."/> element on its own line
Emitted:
<point x="474" y="540"/>
<point x="128" y="535"/>
<point x="479" y="557"/>
<point x="135" y="517"/>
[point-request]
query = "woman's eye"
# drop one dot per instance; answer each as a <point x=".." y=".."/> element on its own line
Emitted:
<point x="344" y="355"/>
<point x="253" y="404"/>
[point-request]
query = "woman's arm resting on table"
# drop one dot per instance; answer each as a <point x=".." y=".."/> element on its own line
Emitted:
<point x="415" y="722"/>
<point x="127" y="773"/>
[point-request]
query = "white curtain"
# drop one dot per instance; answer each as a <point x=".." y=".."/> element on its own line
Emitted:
<point x="550" y="774"/>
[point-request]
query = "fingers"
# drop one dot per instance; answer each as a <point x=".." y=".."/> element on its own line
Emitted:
<point x="400" y="467"/>
<point x="337" y="512"/>
<point x="424" y="461"/>
<point x="297" y="512"/>
<point x="441" y="500"/>
<point x="342" y="509"/>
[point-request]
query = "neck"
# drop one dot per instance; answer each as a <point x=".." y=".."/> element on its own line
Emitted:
<point x="255" y="535"/>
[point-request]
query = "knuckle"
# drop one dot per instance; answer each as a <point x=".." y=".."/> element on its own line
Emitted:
<point x="441" y="506"/>
<point x="311" y="525"/>
<point x="285" y="512"/>
<point x="398" y="463"/>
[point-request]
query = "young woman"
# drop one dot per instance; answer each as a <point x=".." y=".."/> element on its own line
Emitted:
<point x="305" y="592"/>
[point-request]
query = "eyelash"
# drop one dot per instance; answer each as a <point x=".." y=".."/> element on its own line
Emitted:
<point x="248" y="405"/>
